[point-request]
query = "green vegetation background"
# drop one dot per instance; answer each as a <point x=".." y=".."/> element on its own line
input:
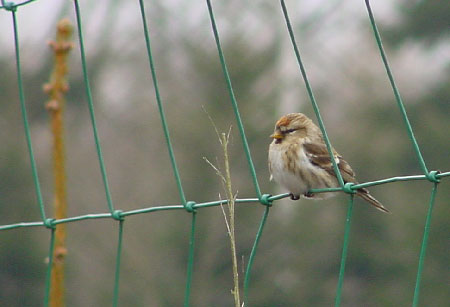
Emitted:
<point x="298" y="258"/>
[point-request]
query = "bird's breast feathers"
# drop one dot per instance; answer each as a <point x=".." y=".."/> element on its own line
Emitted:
<point x="291" y="167"/>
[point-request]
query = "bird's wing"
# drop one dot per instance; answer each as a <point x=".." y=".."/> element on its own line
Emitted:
<point x="270" y="171"/>
<point x="318" y="155"/>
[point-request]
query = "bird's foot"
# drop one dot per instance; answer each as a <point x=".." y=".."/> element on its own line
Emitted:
<point x="294" y="197"/>
<point x="308" y="195"/>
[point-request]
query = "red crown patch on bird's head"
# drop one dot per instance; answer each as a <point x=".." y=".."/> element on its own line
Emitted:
<point x="284" y="121"/>
<point x="292" y="117"/>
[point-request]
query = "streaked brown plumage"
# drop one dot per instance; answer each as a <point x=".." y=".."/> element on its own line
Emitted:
<point x="299" y="160"/>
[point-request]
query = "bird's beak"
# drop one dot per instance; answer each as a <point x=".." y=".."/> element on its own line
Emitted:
<point x="276" y="135"/>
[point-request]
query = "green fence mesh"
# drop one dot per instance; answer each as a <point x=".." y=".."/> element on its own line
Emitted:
<point x="190" y="206"/>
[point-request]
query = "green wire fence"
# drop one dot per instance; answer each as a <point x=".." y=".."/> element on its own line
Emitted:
<point x="191" y="206"/>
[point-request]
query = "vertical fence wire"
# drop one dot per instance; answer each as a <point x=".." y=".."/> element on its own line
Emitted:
<point x="190" y="267"/>
<point x="160" y="105"/>
<point x="431" y="176"/>
<point x="262" y="198"/>
<point x="348" y="223"/>
<point x="91" y="108"/>
<point x="311" y="94"/>
<point x="252" y="255"/>
<point x="48" y="276"/>
<point x="25" y="117"/>
<point x="423" y="249"/>
<point x="118" y="259"/>
<point x="233" y="100"/>
<point x="330" y="152"/>
<point x="187" y="205"/>
<point x="395" y="89"/>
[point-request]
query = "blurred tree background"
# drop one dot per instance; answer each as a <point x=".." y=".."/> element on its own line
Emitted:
<point x="298" y="258"/>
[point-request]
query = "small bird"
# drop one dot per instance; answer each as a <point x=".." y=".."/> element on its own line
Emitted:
<point x="299" y="161"/>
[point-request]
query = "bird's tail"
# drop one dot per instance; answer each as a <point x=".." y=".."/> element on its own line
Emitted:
<point x="364" y="194"/>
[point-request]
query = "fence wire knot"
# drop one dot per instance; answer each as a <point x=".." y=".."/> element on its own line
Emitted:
<point x="189" y="206"/>
<point x="10" y="6"/>
<point x="432" y="176"/>
<point x="265" y="200"/>
<point x="348" y="188"/>
<point x="117" y="215"/>
<point x="49" y="223"/>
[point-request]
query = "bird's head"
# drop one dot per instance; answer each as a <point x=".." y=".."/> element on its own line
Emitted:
<point x="293" y="126"/>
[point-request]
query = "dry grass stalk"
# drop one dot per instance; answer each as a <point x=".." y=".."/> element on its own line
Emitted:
<point x="225" y="177"/>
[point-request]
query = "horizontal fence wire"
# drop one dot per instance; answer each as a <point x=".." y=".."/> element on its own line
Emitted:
<point x="191" y="206"/>
<point x="7" y="5"/>
<point x="200" y="205"/>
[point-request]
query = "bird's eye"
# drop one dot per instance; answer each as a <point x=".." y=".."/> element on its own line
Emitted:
<point x="290" y="130"/>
